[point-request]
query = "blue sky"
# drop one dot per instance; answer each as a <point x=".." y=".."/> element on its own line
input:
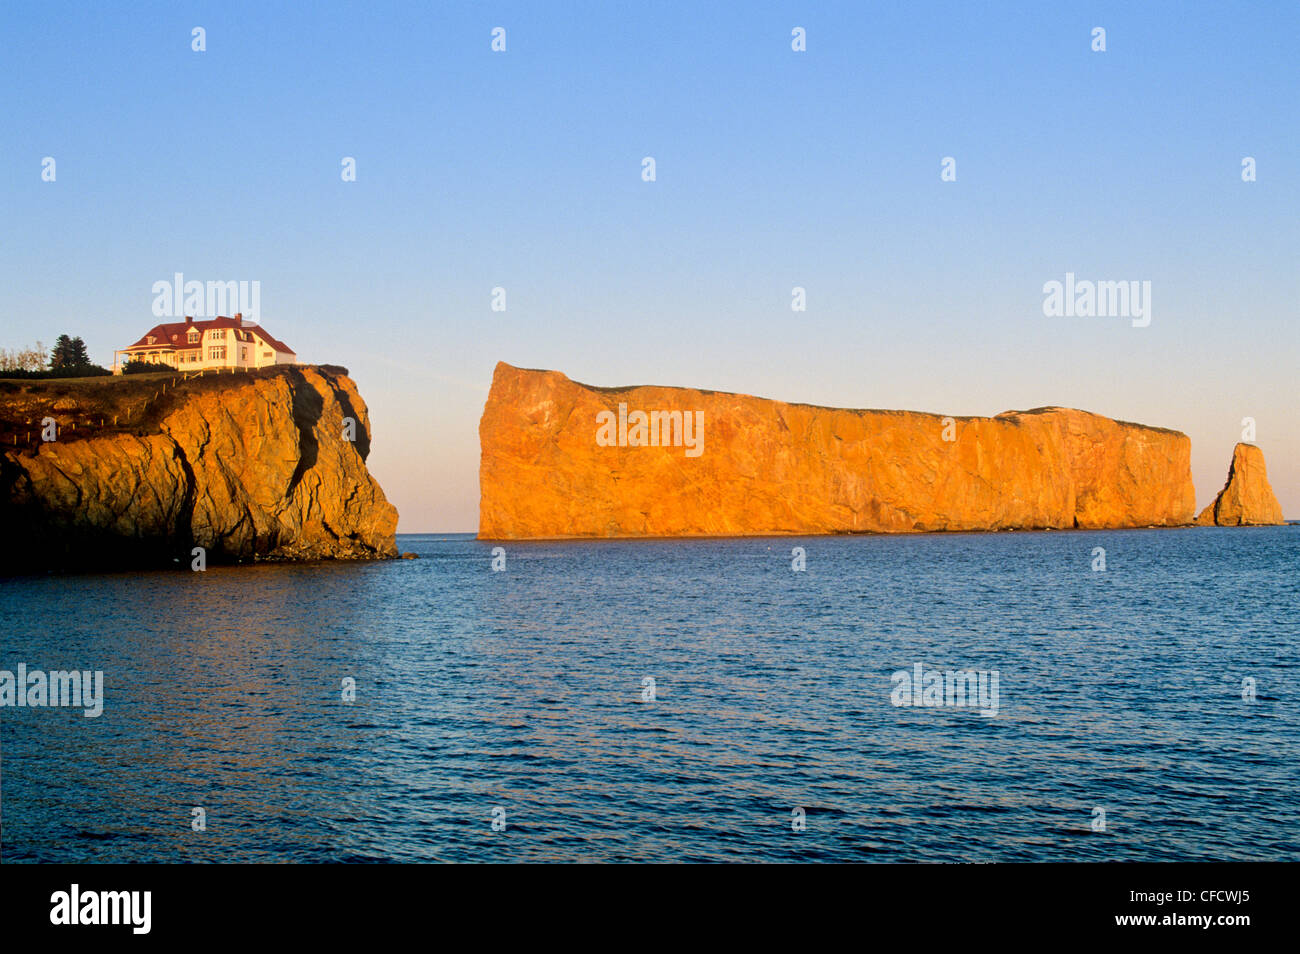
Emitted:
<point x="820" y="169"/>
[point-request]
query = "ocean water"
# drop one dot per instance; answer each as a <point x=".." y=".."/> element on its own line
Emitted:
<point x="517" y="697"/>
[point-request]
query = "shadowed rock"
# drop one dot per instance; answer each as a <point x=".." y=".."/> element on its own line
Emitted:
<point x="249" y="467"/>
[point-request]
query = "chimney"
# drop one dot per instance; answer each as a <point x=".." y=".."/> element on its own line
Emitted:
<point x="239" y="318"/>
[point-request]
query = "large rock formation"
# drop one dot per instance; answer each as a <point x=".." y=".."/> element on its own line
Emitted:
<point x="766" y="467"/>
<point x="249" y="466"/>
<point x="1246" y="499"/>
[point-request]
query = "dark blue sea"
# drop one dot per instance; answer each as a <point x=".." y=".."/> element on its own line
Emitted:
<point x="504" y="715"/>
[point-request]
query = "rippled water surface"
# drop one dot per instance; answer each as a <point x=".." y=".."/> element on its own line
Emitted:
<point x="522" y="691"/>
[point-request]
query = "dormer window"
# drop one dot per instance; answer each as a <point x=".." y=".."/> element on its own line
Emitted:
<point x="150" y="340"/>
<point x="192" y="337"/>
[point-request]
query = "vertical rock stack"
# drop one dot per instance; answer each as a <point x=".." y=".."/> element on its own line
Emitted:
<point x="1247" y="498"/>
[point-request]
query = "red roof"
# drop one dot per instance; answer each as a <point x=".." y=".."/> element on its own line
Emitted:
<point x="172" y="334"/>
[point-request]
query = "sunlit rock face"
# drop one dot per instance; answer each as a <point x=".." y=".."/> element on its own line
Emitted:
<point x="563" y="459"/>
<point x="1247" y="498"/>
<point x="263" y="466"/>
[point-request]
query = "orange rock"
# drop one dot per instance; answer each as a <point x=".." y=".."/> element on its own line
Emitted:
<point x="767" y="467"/>
<point x="249" y="467"/>
<point x="1246" y="499"/>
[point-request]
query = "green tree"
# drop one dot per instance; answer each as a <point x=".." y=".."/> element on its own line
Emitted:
<point x="62" y="355"/>
<point x="69" y="353"/>
<point x="80" y="356"/>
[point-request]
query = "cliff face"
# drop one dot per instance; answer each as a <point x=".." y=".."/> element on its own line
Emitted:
<point x="250" y="467"/>
<point x="551" y="467"/>
<point x="1247" y="498"/>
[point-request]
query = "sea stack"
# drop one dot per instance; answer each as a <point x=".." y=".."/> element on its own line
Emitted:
<point x="264" y="465"/>
<point x="563" y="459"/>
<point x="1246" y="499"/>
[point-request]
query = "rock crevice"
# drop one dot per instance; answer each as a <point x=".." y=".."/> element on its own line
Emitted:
<point x="249" y="467"/>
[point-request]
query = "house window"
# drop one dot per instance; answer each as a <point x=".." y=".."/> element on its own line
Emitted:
<point x="243" y="354"/>
<point x="192" y="337"/>
<point x="219" y="335"/>
<point x="217" y="353"/>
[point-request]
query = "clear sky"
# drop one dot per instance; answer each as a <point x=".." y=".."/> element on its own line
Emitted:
<point x="775" y="168"/>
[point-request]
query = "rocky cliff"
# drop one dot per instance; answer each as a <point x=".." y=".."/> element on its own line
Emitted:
<point x="562" y="459"/>
<point x="254" y="466"/>
<point x="1247" y="498"/>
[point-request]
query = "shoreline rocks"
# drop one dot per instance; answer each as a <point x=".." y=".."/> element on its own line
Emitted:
<point x="255" y="467"/>
<point x="1247" y="498"/>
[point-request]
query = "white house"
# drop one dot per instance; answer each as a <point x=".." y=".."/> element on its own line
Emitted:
<point x="198" y="345"/>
